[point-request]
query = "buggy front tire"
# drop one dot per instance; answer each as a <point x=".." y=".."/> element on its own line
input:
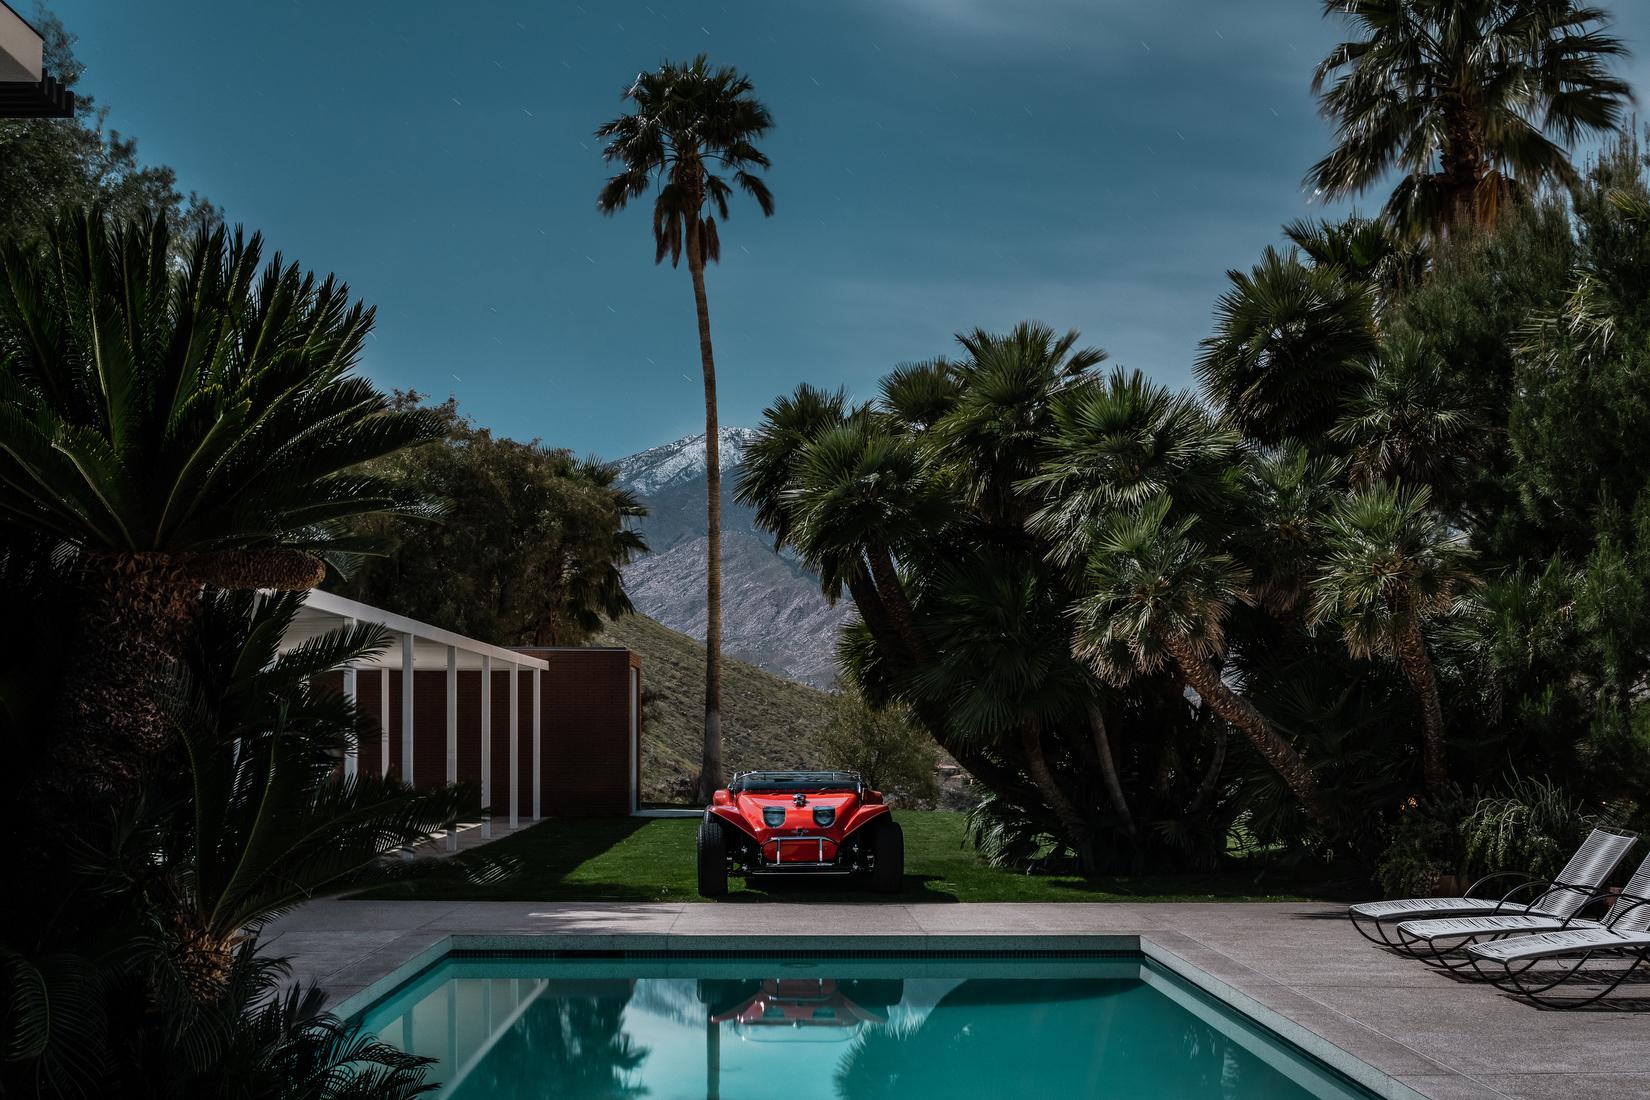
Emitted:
<point x="713" y="858"/>
<point x="888" y="849"/>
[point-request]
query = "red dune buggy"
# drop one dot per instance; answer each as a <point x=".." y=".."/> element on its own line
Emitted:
<point x="799" y="823"/>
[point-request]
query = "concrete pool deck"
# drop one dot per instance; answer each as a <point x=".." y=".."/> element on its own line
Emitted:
<point x="1298" y="967"/>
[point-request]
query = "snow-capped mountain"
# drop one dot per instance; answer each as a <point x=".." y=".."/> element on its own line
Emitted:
<point x="773" y="614"/>
<point x="657" y="468"/>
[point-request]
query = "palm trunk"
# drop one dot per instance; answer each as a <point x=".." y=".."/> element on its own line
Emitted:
<point x="1108" y="769"/>
<point x="710" y="761"/>
<point x="1211" y="775"/>
<point x="1417" y="666"/>
<point x="1204" y="679"/>
<point x="1076" y="829"/>
<point x="129" y="638"/>
<point x="900" y="613"/>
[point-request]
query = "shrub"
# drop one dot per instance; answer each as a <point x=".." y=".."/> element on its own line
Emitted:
<point x="1534" y="827"/>
<point x="886" y="746"/>
<point x="1424" y="846"/>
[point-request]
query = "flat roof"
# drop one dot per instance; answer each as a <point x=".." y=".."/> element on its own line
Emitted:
<point x="324" y="611"/>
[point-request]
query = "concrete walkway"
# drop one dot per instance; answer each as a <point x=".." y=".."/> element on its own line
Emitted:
<point x="1442" y="1037"/>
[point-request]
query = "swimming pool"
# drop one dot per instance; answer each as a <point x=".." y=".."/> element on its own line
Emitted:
<point x="836" y="1025"/>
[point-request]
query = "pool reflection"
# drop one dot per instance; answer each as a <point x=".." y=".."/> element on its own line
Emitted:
<point x="851" y="1037"/>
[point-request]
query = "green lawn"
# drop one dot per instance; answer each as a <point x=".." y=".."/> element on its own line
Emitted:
<point x="637" y="859"/>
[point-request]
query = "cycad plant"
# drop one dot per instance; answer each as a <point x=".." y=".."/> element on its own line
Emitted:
<point x="1472" y="101"/>
<point x="1392" y="565"/>
<point x="176" y="426"/>
<point x="690" y="123"/>
<point x="141" y="972"/>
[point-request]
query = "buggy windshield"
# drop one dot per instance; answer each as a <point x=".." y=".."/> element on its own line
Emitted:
<point x="795" y="781"/>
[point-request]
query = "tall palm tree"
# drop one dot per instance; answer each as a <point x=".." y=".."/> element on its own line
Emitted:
<point x="1158" y="597"/>
<point x="691" y="120"/>
<point x="1466" y="99"/>
<point x="176" y="426"/>
<point x="1392" y="565"/>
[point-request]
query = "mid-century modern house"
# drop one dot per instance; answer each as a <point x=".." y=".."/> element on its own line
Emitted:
<point x="552" y="731"/>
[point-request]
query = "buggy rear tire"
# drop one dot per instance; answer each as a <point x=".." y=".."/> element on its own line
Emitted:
<point x="888" y="849"/>
<point x="713" y="858"/>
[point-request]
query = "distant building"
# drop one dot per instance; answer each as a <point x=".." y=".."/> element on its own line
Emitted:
<point x="27" y="90"/>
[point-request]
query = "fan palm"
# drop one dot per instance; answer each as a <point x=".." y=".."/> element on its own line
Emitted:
<point x="1465" y="98"/>
<point x="997" y="427"/>
<point x="1369" y="250"/>
<point x="691" y="120"/>
<point x="858" y="495"/>
<point x="1391" y="565"/>
<point x="1409" y="422"/>
<point x="1290" y="338"/>
<point x="177" y="426"/>
<point x="1157" y="597"/>
<point x="1121" y="443"/>
<point x="1005" y="675"/>
<point x="769" y="460"/>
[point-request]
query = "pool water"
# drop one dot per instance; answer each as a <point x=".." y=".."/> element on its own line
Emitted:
<point x="799" y="1028"/>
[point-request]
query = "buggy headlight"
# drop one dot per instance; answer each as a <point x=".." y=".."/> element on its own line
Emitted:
<point x="824" y="815"/>
<point x="773" y="816"/>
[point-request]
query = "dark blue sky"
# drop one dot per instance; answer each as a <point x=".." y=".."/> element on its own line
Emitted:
<point x="938" y="164"/>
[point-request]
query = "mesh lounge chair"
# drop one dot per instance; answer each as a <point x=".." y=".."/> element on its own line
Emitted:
<point x="1558" y="909"/>
<point x="1587" y="870"/>
<point x="1512" y="963"/>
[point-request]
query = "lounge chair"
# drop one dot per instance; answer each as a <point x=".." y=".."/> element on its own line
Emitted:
<point x="1558" y="909"/>
<point x="1624" y="934"/>
<point x="1588" y="868"/>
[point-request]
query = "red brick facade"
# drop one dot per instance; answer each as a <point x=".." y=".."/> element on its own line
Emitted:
<point x="589" y="699"/>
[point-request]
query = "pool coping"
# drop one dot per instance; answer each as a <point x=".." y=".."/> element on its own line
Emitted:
<point x="1172" y="951"/>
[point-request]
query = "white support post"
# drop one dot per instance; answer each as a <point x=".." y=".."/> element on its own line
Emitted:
<point x="384" y="721"/>
<point x="408" y="669"/>
<point x="487" y="743"/>
<point x="538" y="750"/>
<point x="352" y="755"/>
<point x="515" y="753"/>
<point x="635" y="739"/>
<point x="452" y="735"/>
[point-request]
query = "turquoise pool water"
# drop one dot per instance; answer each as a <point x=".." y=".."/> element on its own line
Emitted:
<point x="800" y="1028"/>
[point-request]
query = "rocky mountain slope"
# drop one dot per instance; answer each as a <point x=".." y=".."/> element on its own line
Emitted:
<point x="773" y="615"/>
<point x="767" y="721"/>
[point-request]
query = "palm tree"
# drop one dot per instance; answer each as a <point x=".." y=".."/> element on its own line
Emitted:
<point x="857" y="496"/>
<point x="1005" y="676"/>
<point x="1122" y="443"/>
<point x="689" y="120"/>
<point x="996" y="427"/>
<point x="1392" y="565"/>
<point x="1290" y="339"/>
<point x="1465" y="98"/>
<point x="176" y="426"/>
<point x="769" y="460"/>
<point x="1409" y="422"/>
<point x="1157" y="597"/>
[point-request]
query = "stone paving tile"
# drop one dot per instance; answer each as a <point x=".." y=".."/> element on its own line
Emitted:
<point x="1453" y="1087"/>
<point x="1580" y="1086"/>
